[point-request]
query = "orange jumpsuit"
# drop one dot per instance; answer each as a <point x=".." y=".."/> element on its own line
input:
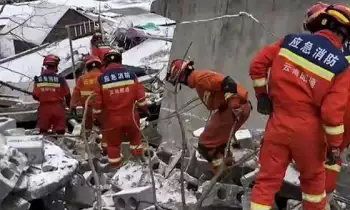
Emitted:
<point x="332" y="171"/>
<point x="85" y="86"/>
<point x="308" y="86"/>
<point x="51" y="90"/>
<point x="116" y="95"/>
<point x="100" y="49"/>
<point x="213" y="140"/>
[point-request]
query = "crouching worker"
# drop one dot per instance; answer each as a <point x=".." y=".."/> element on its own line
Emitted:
<point x="53" y="94"/>
<point x="218" y="93"/>
<point x="117" y="94"/>
<point x="85" y="86"/>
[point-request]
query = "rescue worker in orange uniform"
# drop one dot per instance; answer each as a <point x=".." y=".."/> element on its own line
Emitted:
<point x="117" y="95"/>
<point x="85" y="86"/>
<point x="306" y="98"/>
<point x="53" y="94"/>
<point x="332" y="171"/>
<point x="98" y="47"/>
<point x="218" y="93"/>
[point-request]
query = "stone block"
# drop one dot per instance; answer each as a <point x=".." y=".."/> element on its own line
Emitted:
<point x="13" y="202"/>
<point x="294" y="205"/>
<point x="202" y="166"/>
<point x="79" y="193"/>
<point x="31" y="146"/>
<point x="245" y="139"/>
<point x="15" y="132"/>
<point x="9" y="175"/>
<point x="130" y="199"/>
<point x="222" y="195"/>
<point x="7" y="123"/>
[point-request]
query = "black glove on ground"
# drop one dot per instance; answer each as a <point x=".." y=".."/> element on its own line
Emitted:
<point x="333" y="155"/>
<point x="265" y="105"/>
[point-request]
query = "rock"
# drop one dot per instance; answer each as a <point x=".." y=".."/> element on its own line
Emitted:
<point x="42" y="183"/>
<point x="202" y="166"/>
<point x="78" y="193"/>
<point x="343" y="184"/>
<point x="222" y="195"/>
<point x="55" y="200"/>
<point x="245" y="139"/>
<point x="107" y="200"/>
<point x="13" y="202"/>
<point x="31" y="146"/>
<point x="7" y="123"/>
<point x="141" y="197"/>
<point x="15" y="132"/>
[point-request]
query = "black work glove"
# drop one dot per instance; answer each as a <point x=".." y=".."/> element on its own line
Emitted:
<point x="333" y="155"/>
<point x="265" y="105"/>
<point x="73" y="111"/>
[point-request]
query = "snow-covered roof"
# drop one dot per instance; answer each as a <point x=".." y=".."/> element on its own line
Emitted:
<point x="34" y="26"/>
<point x="31" y="64"/>
<point x="151" y="53"/>
<point x="142" y="19"/>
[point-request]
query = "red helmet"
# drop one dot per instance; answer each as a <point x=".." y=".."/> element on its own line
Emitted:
<point x="51" y="60"/>
<point x="335" y="13"/>
<point x="312" y="13"/>
<point x="92" y="62"/>
<point x="112" y="56"/>
<point x="177" y="70"/>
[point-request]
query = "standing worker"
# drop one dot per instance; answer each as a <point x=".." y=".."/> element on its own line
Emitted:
<point x="85" y="86"/>
<point x="117" y="94"/>
<point x="98" y="47"/>
<point x="218" y="93"/>
<point x="53" y="94"/>
<point x="332" y="167"/>
<point x="307" y="96"/>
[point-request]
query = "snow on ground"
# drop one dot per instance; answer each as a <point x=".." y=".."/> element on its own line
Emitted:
<point x="31" y="64"/>
<point x="144" y="19"/>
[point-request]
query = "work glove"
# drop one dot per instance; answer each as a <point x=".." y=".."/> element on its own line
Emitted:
<point x="333" y="155"/>
<point x="265" y="105"/>
<point x="73" y="111"/>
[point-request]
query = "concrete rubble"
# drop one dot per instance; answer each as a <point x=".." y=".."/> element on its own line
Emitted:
<point x="34" y="167"/>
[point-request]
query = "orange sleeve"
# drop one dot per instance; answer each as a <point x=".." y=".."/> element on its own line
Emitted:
<point x="208" y="80"/>
<point x="97" y="103"/>
<point x="333" y="108"/>
<point x="260" y="66"/>
<point x="76" y="94"/>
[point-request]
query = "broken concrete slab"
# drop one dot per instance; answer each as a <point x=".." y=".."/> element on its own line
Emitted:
<point x="79" y="193"/>
<point x="7" y="123"/>
<point x="15" y="132"/>
<point x="42" y="183"/>
<point x="222" y="195"/>
<point x="13" y="202"/>
<point x="133" y="175"/>
<point x="161" y="168"/>
<point x="140" y="197"/>
<point x="9" y="175"/>
<point x="245" y="139"/>
<point x="31" y="146"/>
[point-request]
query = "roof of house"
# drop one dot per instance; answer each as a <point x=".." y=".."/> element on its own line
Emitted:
<point x="35" y="23"/>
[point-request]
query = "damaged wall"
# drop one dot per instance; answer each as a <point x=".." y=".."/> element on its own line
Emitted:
<point x="228" y="44"/>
